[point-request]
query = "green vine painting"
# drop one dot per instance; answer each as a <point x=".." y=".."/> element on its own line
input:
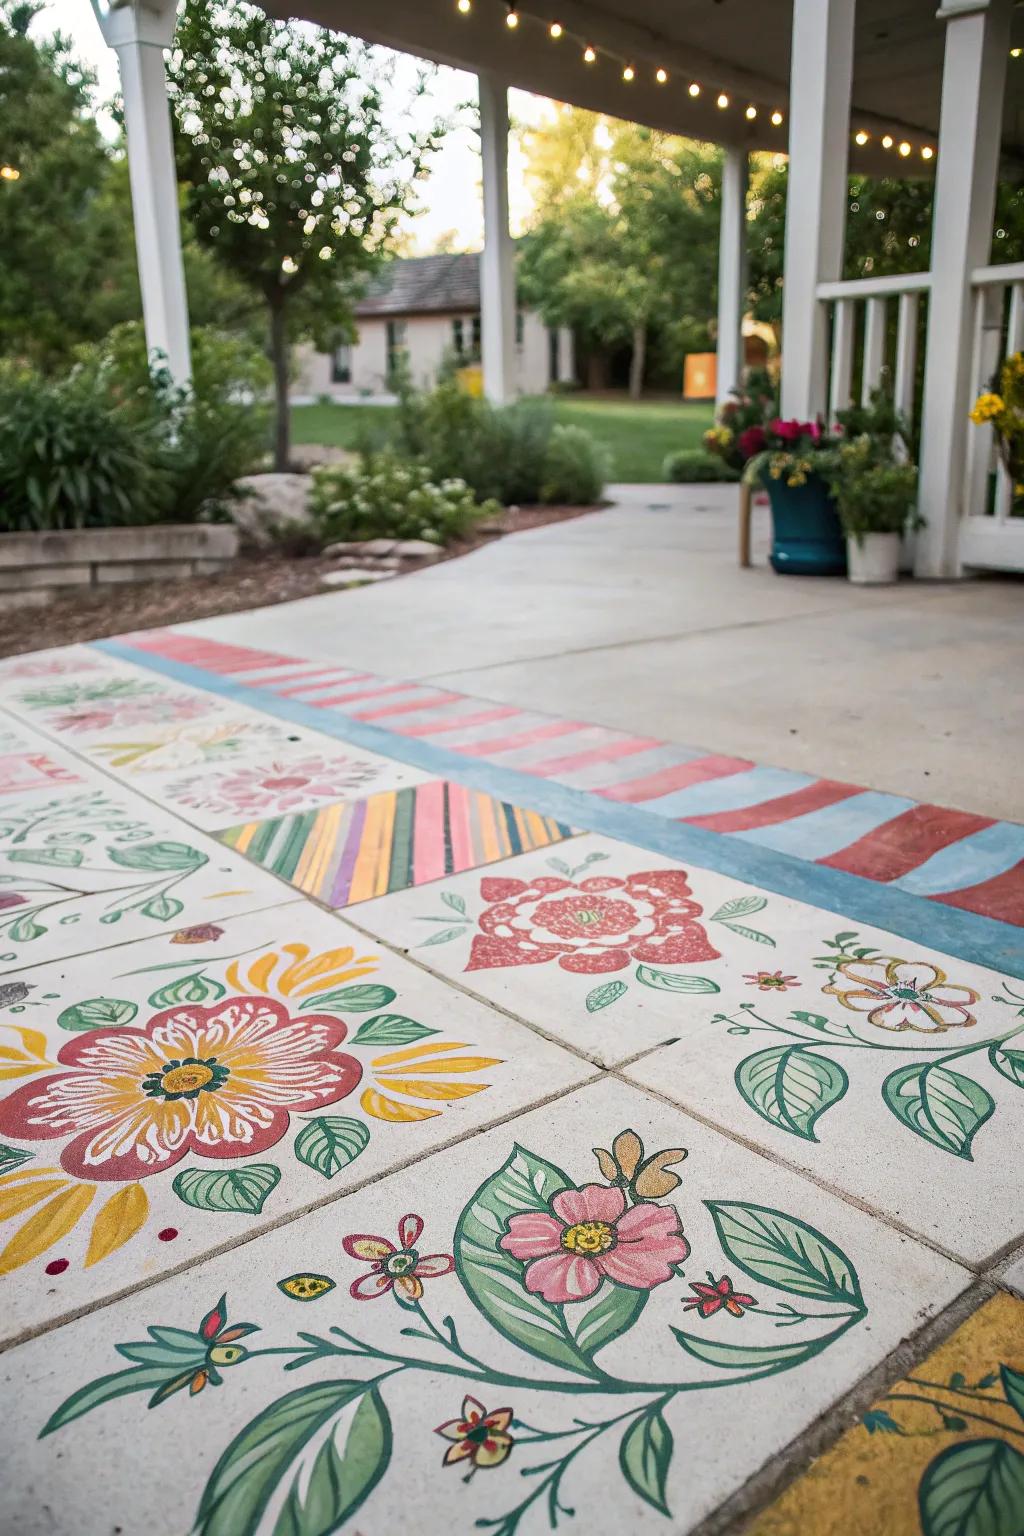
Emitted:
<point x="558" y="1272"/>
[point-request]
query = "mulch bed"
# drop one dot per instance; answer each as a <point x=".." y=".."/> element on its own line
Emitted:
<point x="254" y="581"/>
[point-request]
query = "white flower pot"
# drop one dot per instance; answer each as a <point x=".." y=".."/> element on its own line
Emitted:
<point x="874" y="559"/>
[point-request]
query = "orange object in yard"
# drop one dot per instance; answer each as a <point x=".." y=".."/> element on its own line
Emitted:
<point x="700" y="376"/>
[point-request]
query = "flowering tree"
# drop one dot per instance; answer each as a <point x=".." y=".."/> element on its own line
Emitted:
<point x="293" y="179"/>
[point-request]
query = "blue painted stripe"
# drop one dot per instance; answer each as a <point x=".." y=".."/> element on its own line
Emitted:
<point x="982" y="856"/>
<point x="966" y="935"/>
<point x="733" y="792"/>
<point x="825" y="831"/>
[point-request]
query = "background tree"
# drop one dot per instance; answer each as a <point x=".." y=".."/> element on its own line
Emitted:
<point x="293" y="180"/>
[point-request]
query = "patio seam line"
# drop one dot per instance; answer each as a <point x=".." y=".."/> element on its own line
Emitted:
<point x="788" y="1465"/>
<point x="965" y="935"/>
<point x="288" y="1217"/>
<point x="970" y="1267"/>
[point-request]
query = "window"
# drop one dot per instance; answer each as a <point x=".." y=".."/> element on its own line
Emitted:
<point x="553" y="356"/>
<point x="398" y="349"/>
<point x="476" y="335"/>
<point x="458" y="337"/>
<point x="341" y="365"/>
<point x="520" y="327"/>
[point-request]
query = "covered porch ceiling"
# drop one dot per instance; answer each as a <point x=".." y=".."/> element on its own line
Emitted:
<point x="737" y="47"/>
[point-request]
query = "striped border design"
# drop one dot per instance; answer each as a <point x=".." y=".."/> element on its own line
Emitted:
<point x="943" y="921"/>
<point x="351" y="852"/>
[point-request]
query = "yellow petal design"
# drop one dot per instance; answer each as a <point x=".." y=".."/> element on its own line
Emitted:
<point x="49" y="1224"/>
<point x="303" y="976"/>
<point x="306" y="1287"/>
<point x="447" y="1064"/>
<point x="415" y="1090"/>
<point x="416" y="1052"/>
<point x="381" y="1108"/>
<point x="21" y="1197"/>
<point x="122" y="1216"/>
<point x="31" y="1058"/>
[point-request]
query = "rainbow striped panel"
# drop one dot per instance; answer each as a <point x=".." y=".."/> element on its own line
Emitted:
<point x="359" y="849"/>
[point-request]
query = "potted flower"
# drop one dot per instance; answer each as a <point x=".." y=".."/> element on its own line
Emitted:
<point x="793" y="464"/>
<point x="874" y="493"/>
<point x="738" y="432"/>
<point x="1001" y="406"/>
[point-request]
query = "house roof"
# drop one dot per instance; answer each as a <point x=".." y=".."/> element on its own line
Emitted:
<point x="417" y="285"/>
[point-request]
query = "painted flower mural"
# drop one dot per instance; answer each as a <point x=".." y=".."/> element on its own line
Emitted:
<point x="402" y="1269"/>
<point x="479" y="1436"/>
<point x="595" y="926"/>
<point x="219" y="1081"/>
<point x="274" y="787"/>
<point x="770" y="981"/>
<point x="711" y="1298"/>
<point x="158" y="710"/>
<point x="903" y="994"/>
<point x="587" y="1235"/>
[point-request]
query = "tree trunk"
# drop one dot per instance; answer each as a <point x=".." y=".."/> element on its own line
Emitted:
<point x="279" y="358"/>
<point x="637" y="362"/>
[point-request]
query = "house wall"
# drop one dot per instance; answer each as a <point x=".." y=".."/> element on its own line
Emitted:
<point x="428" y="339"/>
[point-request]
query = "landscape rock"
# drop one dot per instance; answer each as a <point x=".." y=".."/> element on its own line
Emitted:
<point x="356" y="576"/>
<point x="307" y="456"/>
<point x="418" y="549"/>
<point x="271" y="501"/>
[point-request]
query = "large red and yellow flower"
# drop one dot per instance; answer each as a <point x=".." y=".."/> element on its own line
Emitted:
<point x="219" y="1081"/>
<point x="599" y="925"/>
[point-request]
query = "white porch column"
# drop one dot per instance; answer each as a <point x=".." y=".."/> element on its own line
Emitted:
<point x="566" y="355"/>
<point x="732" y="273"/>
<point x="973" y="81"/>
<point x="139" y="34"/>
<point x="821" y="69"/>
<point x="497" y="264"/>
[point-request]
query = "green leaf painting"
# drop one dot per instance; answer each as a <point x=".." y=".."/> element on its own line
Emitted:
<point x="98" y="1013"/>
<point x="390" y="1029"/>
<point x="973" y="1489"/>
<point x="13" y="1157"/>
<point x="740" y="906"/>
<point x="195" y="988"/>
<point x="236" y="1190"/>
<point x="941" y="1106"/>
<point x="343" y="1476"/>
<point x="785" y="1253"/>
<point x="666" y="981"/>
<point x="791" y="1086"/>
<point x="157" y="858"/>
<point x="330" y="1142"/>
<point x="363" y="997"/>
<point x="604" y="996"/>
<point x="1009" y="1062"/>
<point x="645" y="1456"/>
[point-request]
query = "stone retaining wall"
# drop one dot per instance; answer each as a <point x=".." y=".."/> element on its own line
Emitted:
<point x="35" y="567"/>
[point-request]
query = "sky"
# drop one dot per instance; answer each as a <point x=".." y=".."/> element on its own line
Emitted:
<point x="450" y="206"/>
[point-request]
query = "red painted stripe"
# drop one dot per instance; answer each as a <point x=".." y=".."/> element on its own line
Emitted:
<point x="679" y="776"/>
<point x="408" y="708"/>
<point x="343" y="699"/>
<point x="900" y="845"/>
<point x="605" y="754"/>
<point x="213" y="655"/>
<point x="325" y="675"/>
<point x="523" y="739"/>
<point x="484" y="717"/>
<point x="1002" y="897"/>
<point x="784" y="808"/>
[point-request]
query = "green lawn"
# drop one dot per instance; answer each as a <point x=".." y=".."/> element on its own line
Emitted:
<point x="637" y="436"/>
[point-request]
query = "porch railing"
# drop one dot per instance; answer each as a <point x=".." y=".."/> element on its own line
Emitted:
<point x="864" y="342"/>
<point x="990" y="534"/>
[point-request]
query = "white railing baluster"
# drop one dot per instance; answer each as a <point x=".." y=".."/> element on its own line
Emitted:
<point x="874" y="348"/>
<point x="842" y="357"/>
<point x="906" y="355"/>
<point x="985" y="357"/>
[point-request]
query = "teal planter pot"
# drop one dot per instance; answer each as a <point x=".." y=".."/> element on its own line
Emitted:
<point x="807" y="539"/>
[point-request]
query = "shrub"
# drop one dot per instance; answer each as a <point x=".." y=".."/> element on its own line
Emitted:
<point x="68" y="459"/>
<point x="575" y="468"/>
<point x="388" y="497"/>
<point x="874" y="493"/>
<point x="692" y="466"/>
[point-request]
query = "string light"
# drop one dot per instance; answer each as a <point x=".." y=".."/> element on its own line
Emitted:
<point x="465" y="6"/>
<point x="750" y="114"/>
<point x="661" y="75"/>
<point x="927" y="152"/>
<point x="9" y="173"/>
<point x="861" y="137"/>
<point x="629" y="73"/>
<point x="1015" y="53"/>
<point x="723" y="100"/>
<point x="694" y="89"/>
<point x="555" y="30"/>
<point x="589" y="55"/>
<point x="887" y="141"/>
<point x="776" y="119"/>
<point x="512" y="19"/>
<point x="904" y="149"/>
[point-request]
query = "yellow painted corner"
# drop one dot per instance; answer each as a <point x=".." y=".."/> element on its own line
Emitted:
<point x="869" y="1482"/>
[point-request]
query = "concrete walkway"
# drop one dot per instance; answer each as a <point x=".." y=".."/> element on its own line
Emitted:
<point x="639" y="618"/>
<point x="422" y="1112"/>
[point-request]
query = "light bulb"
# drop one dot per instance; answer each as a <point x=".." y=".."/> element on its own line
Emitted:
<point x="589" y="55"/>
<point x="887" y="141"/>
<point x="629" y="73"/>
<point x="289" y="265"/>
<point x="861" y="138"/>
<point x="465" y="6"/>
<point x="694" y="89"/>
<point x="904" y="149"/>
<point x="512" y="19"/>
<point x="750" y="114"/>
<point x="776" y="119"/>
<point x="9" y="173"/>
<point x="661" y="75"/>
<point x="927" y="152"/>
<point x="555" y="29"/>
<point x="723" y="100"/>
<point x="1015" y="53"/>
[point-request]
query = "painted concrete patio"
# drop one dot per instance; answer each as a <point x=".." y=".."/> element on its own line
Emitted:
<point x="420" y="1103"/>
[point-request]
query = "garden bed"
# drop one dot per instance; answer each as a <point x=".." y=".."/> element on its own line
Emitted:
<point x="35" y="568"/>
<point x="252" y="581"/>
